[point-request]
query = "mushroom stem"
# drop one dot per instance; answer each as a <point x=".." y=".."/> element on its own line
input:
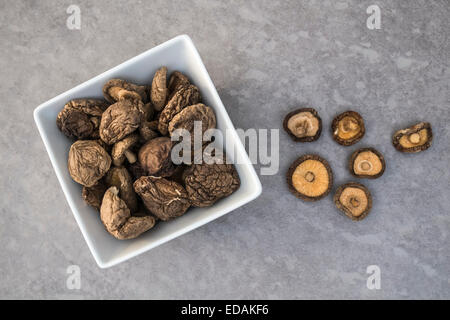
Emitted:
<point x="131" y="157"/>
<point x="349" y="125"/>
<point x="354" y="202"/>
<point x="309" y="176"/>
<point x="414" y="138"/>
<point x="365" y="165"/>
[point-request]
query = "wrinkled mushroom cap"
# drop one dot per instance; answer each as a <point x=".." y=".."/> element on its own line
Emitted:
<point x="88" y="162"/>
<point x="154" y="156"/>
<point x="354" y="200"/>
<point x="367" y="163"/>
<point x="176" y="81"/>
<point x="112" y="88"/>
<point x="121" y="147"/>
<point x="159" y="92"/>
<point x="303" y="125"/>
<point x="119" y="120"/>
<point x="413" y="139"/>
<point x="348" y="128"/>
<point x="117" y="218"/>
<point x="310" y="178"/>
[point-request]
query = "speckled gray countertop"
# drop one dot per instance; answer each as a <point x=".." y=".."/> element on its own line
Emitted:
<point x="266" y="58"/>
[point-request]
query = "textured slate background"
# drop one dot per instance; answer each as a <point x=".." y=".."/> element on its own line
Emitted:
<point x="266" y="58"/>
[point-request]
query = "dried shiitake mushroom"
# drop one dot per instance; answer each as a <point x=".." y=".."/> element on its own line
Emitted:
<point x="348" y="128"/>
<point x="164" y="198"/>
<point x="367" y="163"/>
<point x="119" y="120"/>
<point x="121" y="150"/>
<point x="186" y="118"/>
<point x="303" y="125"/>
<point x="93" y="195"/>
<point x="413" y="139"/>
<point x="117" y="218"/>
<point x="207" y="183"/>
<point x="120" y="178"/>
<point x="88" y="162"/>
<point x="155" y="158"/>
<point x="146" y="132"/>
<point x="185" y="96"/>
<point x="354" y="200"/>
<point x="310" y="177"/>
<point x="176" y="81"/>
<point x="159" y="92"/>
<point x="79" y="119"/>
<point x="113" y="89"/>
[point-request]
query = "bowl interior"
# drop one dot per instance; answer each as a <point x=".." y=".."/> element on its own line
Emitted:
<point x="177" y="54"/>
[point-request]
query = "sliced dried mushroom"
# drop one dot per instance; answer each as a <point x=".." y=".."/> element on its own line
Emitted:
<point x="176" y="81"/>
<point x="348" y="128"/>
<point x="310" y="177"/>
<point x="354" y="200"/>
<point x="413" y="139"/>
<point x="303" y="125"/>
<point x="120" y="178"/>
<point x="367" y="163"/>
<point x="121" y="150"/>
<point x="164" y="198"/>
<point x="119" y="120"/>
<point x="159" y="92"/>
<point x="155" y="157"/>
<point x="117" y="218"/>
<point x="207" y="183"/>
<point x="185" y="96"/>
<point x="88" y="162"/>
<point x="113" y="87"/>
<point x="186" y="118"/>
<point x="93" y="195"/>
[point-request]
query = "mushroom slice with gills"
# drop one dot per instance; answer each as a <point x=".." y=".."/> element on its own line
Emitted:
<point x="413" y="139"/>
<point x="348" y="128"/>
<point x="354" y="200"/>
<point x="88" y="162"/>
<point x="164" y="198"/>
<point x="367" y="163"/>
<point x="158" y="91"/>
<point x="113" y="87"/>
<point x="121" y="150"/>
<point x="119" y="120"/>
<point x="303" y="125"/>
<point x="117" y="218"/>
<point x="121" y="178"/>
<point x="310" y="177"/>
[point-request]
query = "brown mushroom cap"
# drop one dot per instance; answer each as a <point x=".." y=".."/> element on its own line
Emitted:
<point x="348" y="128"/>
<point x="112" y="88"/>
<point x="88" y="162"/>
<point x="164" y="198"/>
<point x="120" y="178"/>
<point x="121" y="150"/>
<point x="176" y="81"/>
<point x="155" y="157"/>
<point x="413" y="139"/>
<point x="159" y="92"/>
<point x="310" y="177"/>
<point x="119" y="120"/>
<point x="117" y="218"/>
<point x="367" y="163"/>
<point x="91" y="107"/>
<point x="93" y="195"/>
<point x="354" y="200"/>
<point x="303" y="125"/>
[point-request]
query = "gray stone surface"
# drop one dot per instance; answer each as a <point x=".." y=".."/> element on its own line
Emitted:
<point x="266" y="58"/>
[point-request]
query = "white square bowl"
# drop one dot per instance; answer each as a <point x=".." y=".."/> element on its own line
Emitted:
<point x="177" y="54"/>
